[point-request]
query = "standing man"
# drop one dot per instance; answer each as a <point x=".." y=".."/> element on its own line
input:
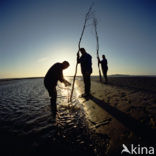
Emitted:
<point x="104" y="67"/>
<point x="86" y="68"/>
<point x="55" y="74"/>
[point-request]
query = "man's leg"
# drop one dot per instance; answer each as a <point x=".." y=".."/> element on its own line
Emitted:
<point x="87" y="83"/>
<point x="53" y="95"/>
<point x="105" y="75"/>
<point x="84" y="80"/>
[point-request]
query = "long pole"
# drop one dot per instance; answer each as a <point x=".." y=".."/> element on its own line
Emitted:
<point x="88" y="14"/>
<point x="97" y="47"/>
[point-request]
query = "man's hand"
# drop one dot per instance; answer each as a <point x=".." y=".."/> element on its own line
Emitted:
<point x="98" y="59"/>
<point x="66" y="83"/>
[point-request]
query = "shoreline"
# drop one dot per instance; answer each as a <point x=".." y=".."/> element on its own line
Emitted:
<point x="120" y="112"/>
<point x="124" y="115"/>
<point x="114" y="75"/>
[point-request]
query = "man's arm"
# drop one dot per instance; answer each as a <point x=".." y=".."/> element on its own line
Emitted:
<point x="106" y="62"/>
<point x="98" y="59"/>
<point x="66" y="83"/>
<point x="78" y="58"/>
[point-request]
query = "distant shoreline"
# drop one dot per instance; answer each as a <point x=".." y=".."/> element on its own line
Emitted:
<point x="10" y="79"/>
<point x="115" y="75"/>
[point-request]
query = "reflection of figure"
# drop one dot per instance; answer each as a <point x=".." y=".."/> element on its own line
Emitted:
<point x="54" y="74"/>
<point x="104" y="67"/>
<point x="86" y="68"/>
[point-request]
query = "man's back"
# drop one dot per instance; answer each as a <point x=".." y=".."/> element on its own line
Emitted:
<point x="86" y="63"/>
<point x="104" y="64"/>
<point x="54" y="74"/>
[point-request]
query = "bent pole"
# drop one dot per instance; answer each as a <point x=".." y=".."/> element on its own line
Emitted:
<point x="97" y="46"/>
<point x="88" y="15"/>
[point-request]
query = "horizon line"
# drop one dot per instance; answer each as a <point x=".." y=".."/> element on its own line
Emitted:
<point x="37" y="77"/>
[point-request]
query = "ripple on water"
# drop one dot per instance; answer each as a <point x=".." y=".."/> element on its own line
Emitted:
<point x="25" y="113"/>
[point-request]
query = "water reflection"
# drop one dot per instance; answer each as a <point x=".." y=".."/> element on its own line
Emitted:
<point x="26" y="113"/>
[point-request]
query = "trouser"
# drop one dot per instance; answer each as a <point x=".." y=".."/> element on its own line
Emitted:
<point x="87" y="83"/>
<point x="105" y="74"/>
<point x="52" y="93"/>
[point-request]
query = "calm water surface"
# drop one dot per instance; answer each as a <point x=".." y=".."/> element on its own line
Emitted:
<point x="27" y="125"/>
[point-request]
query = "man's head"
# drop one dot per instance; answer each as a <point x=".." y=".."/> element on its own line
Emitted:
<point x="82" y="50"/>
<point x="65" y="64"/>
<point x="103" y="56"/>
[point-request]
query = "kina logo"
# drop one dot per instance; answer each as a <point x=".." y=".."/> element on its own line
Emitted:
<point x="125" y="149"/>
<point x="138" y="150"/>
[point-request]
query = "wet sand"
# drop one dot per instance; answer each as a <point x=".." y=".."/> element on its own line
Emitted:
<point x="122" y="111"/>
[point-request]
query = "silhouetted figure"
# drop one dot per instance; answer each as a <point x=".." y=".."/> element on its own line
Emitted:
<point x="54" y="74"/>
<point x="104" y="67"/>
<point x="86" y="68"/>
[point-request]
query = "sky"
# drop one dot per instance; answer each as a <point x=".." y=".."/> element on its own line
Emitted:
<point x="35" y="34"/>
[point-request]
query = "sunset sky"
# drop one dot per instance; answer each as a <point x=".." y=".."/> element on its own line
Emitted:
<point x="34" y="34"/>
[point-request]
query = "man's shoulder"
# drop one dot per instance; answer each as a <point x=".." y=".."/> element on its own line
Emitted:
<point x="55" y="66"/>
<point x="104" y="61"/>
<point x="88" y="55"/>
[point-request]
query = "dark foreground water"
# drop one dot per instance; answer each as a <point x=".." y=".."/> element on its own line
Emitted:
<point x="28" y="127"/>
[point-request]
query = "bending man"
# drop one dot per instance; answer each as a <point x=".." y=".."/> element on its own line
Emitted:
<point x="55" y="74"/>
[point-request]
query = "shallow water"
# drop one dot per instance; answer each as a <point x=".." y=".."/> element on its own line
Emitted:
<point x="27" y="125"/>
